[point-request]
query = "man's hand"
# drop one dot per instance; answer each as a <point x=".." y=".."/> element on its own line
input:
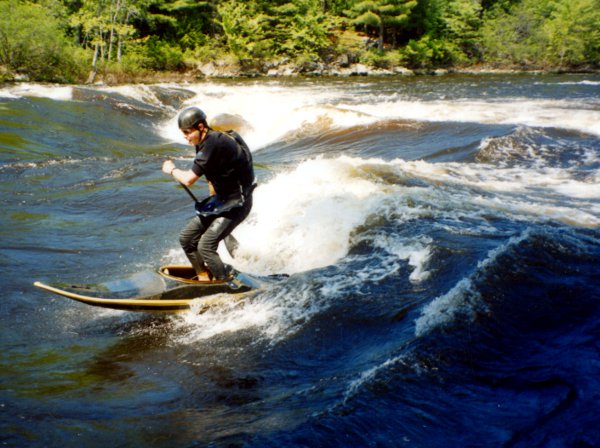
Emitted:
<point x="168" y="167"/>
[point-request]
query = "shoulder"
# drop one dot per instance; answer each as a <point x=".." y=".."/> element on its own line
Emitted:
<point x="218" y="141"/>
<point x="218" y="137"/>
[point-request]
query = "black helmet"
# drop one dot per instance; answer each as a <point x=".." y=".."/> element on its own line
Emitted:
<point x="190" y="118"/>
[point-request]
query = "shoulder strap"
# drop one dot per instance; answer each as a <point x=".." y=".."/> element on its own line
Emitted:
<point x="246" y="189"/>
<point x="240" y="141"/>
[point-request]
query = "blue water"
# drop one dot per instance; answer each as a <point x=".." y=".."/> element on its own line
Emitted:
<point x="441" y="237"/>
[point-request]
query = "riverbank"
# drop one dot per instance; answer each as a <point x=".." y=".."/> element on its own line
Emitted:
<point x="342" y="68"/>
<point x="223" y="70"/>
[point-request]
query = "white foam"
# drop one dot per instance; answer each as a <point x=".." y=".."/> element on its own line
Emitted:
<point x="54" y="92"/>
<point x="307" y="217"/>
<point x="580" y="83"/>
<point x="368" y="376"/>
<point x="416" y="251"/>
<point x="139" y="92"/>
<point x="566" y="114"/>
<point x="273" y="111"/>
<point x="225" y="319"/>
<point x="302" y="218"/>
<point x="525" y="193"/>
<point x="273" y="314"/>
<point x="462" y="299"/>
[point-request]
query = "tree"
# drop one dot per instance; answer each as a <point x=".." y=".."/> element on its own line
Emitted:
<point x="381" y="14"/>
<point x="462" y="20"/>
<point x="244" y="28"/>
<point x="32" y="41"/>
<point x="258" y="29"/>
<point x="188" y="23"/>
<point x="301" y="28"/>
<point x="106" y="23"/>
<point x="513" y="35"/>
<point x="535" y="32"/>
<point x="573" y="31"/>
<point x="336" y="7"/>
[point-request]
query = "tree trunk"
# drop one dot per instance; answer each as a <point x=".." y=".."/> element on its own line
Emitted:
<point x="92" y="76"/>
<point x="113" y="21"/>
<point x="381" y="32"/>
<point x="111" y="40"/>
<point x="120" y="37"/>
<point x="119" y="47"/>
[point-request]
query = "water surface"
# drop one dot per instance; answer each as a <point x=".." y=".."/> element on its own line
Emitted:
<point x="441" y="236"/>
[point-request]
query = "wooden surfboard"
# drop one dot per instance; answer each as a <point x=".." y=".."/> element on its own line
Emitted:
<point x="171" y="291"/>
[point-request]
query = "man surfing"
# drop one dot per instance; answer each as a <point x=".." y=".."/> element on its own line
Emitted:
<point x="226" y="162"/>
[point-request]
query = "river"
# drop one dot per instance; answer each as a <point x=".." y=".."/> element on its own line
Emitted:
<point x="440" y="236"/>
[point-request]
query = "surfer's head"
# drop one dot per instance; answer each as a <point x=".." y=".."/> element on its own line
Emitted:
<point x="192" y="121"/>
<point x="190" y="118"/>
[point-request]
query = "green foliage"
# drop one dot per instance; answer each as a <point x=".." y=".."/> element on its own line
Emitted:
<point x="189" y="23"/>
<point x="382" y="60"/>
<point x="512" y="36"/>
<point x="159" y="55"/>
<point x="106" y="24"/>
<point x="255" y="30"/>
<point x="244" y="28"/>
<point x="573" y="32"/>
<point x="337" y="7"/>
<point x="462" y="20"/>
<point x="382" y="14"/>
<point x="450" y="33"/>
<point x="426" y="18"/>
<point x="62" y="40"/>
<point x="555" y="32"/>
<point x="33" y="42"/>
<point x="302" y="28"/>
<point x="428" y="52"/>
<point x="462" y="17"/>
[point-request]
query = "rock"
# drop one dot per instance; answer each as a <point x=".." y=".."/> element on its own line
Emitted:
<point x="403" y="71"/>
<point x="343" y="61"/>
<point x="381" y="72"/>
<point x="287" y="70"/>
<point x="207" y="69"/>
<point x="250" y="73"/>
<point x="358" y="70"/>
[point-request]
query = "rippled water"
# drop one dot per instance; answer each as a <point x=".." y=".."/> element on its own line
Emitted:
<point x="441" y="236"/>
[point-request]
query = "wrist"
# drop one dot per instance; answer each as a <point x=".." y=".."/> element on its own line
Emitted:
<point x="171" y="172"/>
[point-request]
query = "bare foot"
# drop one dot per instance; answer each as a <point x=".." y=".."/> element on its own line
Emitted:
<point x="203" y="277"/>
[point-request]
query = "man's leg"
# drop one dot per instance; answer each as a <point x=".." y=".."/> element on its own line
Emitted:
<point x="209" y="242"/>
<point x="188" y="238"/>
<point x="217" y="230"/>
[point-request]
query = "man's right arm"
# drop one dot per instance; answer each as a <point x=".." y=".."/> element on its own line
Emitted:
<point x="186" y="177"/>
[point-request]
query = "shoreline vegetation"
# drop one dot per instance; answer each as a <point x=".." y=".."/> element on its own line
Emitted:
<point x="149" y="41"/>
<point x="220" y="70"/>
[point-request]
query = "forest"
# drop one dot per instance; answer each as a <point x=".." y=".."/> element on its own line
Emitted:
<point x="73" y="41"/>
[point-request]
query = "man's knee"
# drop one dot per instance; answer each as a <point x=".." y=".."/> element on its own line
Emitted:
<point x="190" y="234"/>
<point x="187" y="242"/>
